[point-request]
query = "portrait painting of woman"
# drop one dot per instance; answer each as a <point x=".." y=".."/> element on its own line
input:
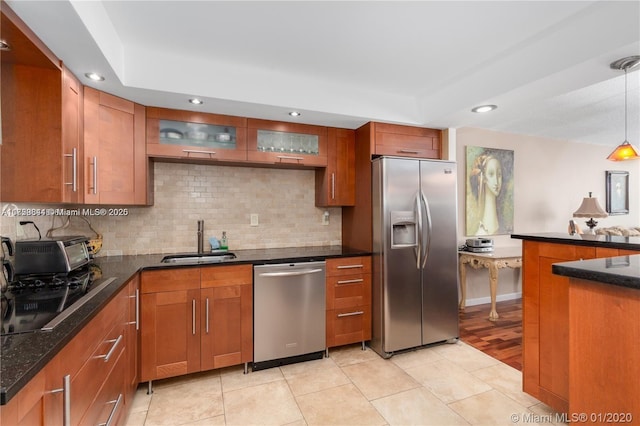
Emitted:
<point x="489" y="191"/>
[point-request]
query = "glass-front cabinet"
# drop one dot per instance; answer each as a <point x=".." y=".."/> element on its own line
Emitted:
<point x="196" y="136"/>
<point x="283" y="143"/>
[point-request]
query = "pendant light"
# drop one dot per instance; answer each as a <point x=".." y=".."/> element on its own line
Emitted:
<point x="625" y="151"/>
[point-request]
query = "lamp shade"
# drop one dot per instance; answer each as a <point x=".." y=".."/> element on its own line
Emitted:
<point x="590" y="208"/>
<point x="624" y="151"/>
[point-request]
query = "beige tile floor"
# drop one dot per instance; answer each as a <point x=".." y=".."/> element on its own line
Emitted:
<point x="450" y="384"/>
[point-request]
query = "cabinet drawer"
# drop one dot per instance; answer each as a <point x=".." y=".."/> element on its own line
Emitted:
<point x="109" y="403"/>
<point x="563" y="251"/>
<point x="348" y="266"/>
<point x="348" y="290"/>
<point x="93" y="374"/>
<point x="348" y="325"/>
<point x="407" y="145"/>
<point x="224" y="276"/>
<point x="170" y="280"/>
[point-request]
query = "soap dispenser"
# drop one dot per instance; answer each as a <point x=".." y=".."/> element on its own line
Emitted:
<point x="224" y="245"/>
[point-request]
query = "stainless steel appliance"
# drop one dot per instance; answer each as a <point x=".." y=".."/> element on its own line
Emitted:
<point x="415" y="260"/>
<point x="46" y="256"/>
<point x="40" y="302"/>
<point x="289" y="313"/>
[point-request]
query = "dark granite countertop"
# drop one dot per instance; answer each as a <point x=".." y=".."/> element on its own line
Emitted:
<point x="620" y="270"/>
<point x="22" y="356"/>
<point x="609" y="241"/>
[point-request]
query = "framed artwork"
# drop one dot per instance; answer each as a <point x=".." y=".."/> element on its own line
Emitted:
<point x="489" y="191"/>
<point x="617" y="189"/>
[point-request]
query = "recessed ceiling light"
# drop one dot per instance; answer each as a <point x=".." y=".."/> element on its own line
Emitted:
<point x="94" y="76"/>
<point x="4" y="45"/>
<point x="295" y="114"/>
<point x="196" y="101"/>
<point x="484" y="108"/>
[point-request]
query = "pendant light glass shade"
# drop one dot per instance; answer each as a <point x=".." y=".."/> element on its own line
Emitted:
<point x="625" y="151"/>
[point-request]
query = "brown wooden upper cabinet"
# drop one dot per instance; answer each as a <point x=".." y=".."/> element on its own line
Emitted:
<point x="406" y="141"/>
<point x="291" y="144"/>
<point x="115" y="161"/>
<point x="41" y="120"/>
<point x="335" y="184"/>
<point x="189" y="135"/>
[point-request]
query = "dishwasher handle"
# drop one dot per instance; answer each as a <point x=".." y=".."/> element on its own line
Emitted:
<point x="290" y="273"/>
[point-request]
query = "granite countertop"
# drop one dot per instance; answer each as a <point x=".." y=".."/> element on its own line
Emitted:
<point x="620" y="270"/>
<point x="609" y="241"/>
<point x="24" y="355"/>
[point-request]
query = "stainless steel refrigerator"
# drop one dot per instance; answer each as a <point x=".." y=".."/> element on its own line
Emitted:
<point x="415" y="258"/>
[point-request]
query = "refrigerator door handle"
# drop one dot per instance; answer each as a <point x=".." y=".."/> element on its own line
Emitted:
<point x="418" y="231"/>
<point x="429" y="228"/>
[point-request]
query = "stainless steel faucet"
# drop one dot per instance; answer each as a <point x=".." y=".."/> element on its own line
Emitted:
<point x="201" y="236"/>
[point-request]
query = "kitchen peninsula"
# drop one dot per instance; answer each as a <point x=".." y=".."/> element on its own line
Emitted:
<point x="546" y="304"/>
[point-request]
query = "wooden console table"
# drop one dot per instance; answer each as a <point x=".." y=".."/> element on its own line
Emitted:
<point x="500" y="257"/>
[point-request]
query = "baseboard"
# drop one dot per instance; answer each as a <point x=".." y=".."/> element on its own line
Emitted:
<point x="499" y="298"/>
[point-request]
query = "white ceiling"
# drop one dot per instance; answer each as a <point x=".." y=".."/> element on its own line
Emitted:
<point x="427" y="63"/>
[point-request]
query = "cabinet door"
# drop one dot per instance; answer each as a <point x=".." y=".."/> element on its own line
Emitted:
<point x="407" y="141"/>
<point x="227" y="319"/>
<point x="133" y="323"/>
<point x="72" y="146"/>
<point x="286" y="144"/>
<point x="336" y="184"/>
<point x="115" y="158"/>
<point x="169" y="323"/>
<point x="193" y="136"/>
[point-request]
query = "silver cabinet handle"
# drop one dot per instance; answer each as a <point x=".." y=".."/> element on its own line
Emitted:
<point x="356" y="280"/>
<point x="193" y="317"/>
<point x="137" y="321"/>
<point x="206" y="316"/>
<point x="290" y="273"/>
<point x="116" y="404"/>
<point x="94" y="166"/>
<point x="333" y="186"/>
<point x="288" y="157"/>
<point x="350" y="314"/>
<point x="115" y="342"/>
<point x="74" y="170"/>
<point x="66" y="398"/>
<point x="350" y="266"/>
<point x="196" y="151"/>
<point x="408" y="151"/>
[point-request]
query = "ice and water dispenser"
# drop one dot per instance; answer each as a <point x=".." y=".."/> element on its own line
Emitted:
<point x="404" y="231"/>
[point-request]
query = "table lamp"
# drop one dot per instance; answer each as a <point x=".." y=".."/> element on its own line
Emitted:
<point x="590" y="208"/>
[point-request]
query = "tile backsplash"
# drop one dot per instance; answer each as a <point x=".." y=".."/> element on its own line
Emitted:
<point x="223" y="196"/>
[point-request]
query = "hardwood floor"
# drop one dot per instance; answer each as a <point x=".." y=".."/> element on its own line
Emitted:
<point x="501" y="339"/>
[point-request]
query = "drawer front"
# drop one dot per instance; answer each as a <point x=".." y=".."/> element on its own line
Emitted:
<point x="93" y="374"/>
<point x="170" y="279"/>
<point x="348" y="266"/>
<point x="348" y="290"/>
<point x="407" y="145"/>
<point x="348" y="325"/>
<point x="224" y="276"/>
<point x="108" y="407"/>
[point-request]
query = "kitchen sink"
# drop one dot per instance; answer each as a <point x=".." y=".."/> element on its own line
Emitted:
<point x="184" y="259"/>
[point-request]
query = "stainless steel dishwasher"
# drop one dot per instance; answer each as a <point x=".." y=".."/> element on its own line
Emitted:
<point x="288" y="313"/>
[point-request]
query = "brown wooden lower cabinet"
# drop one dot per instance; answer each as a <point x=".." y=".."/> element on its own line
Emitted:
<point x="92" y="368"/>
<point x="186" y="328"/>
<point x="546" y="319"/>
<point x="348" y="300"/>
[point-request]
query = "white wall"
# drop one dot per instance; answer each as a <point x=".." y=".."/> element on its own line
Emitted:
<point x="551" y="178"/>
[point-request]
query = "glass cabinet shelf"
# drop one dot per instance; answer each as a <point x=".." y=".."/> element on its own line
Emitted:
<point x="286" y="142"/>
<point x="197" y="134"/>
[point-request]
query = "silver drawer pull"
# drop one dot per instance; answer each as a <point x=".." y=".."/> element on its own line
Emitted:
<point x="195" y="151"/>
<point x="350" y="266"/>
<point x="406" y="151"/>
<point x="115" y="342"/>
<point x="350" y="314"/>
<point x="116" y="403"/>
<point x="287" y="157"/>
<point x="358" y="280"/>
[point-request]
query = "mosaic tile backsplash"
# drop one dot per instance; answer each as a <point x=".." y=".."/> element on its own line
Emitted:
<point x="224" y="197"/>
